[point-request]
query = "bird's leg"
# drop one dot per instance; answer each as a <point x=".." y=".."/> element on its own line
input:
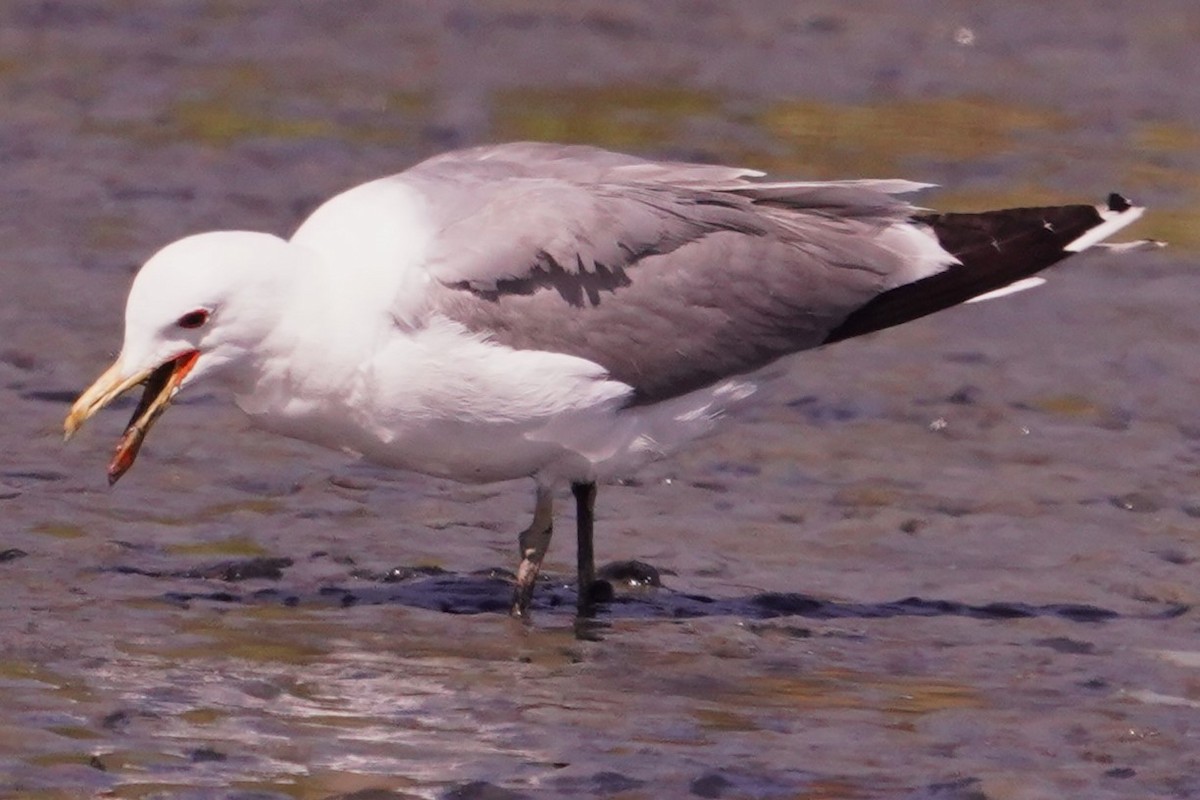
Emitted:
<point x="585" y="502"/>
<point x="533" y="543"/>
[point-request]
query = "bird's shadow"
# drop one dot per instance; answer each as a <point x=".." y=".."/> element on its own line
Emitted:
<point x="490" y="592"/>
<point x="481" y="594"/>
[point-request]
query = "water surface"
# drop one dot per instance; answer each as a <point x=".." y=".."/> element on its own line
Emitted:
<point x="955" y="560"/>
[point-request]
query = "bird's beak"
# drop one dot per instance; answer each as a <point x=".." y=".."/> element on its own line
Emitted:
<point x="162" y="382"/>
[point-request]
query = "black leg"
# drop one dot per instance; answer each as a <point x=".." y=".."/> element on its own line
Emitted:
<point x="585" y="502"/>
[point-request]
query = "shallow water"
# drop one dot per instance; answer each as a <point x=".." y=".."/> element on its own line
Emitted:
<point x="955" y="560"/>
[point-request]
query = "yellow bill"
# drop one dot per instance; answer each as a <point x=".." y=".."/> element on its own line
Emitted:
<point x="161" y="382"/>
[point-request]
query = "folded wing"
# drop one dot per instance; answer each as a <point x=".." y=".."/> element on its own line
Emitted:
<point x="673" y="276"/>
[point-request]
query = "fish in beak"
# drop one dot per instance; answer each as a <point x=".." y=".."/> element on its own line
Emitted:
<point x="161" y="382"/>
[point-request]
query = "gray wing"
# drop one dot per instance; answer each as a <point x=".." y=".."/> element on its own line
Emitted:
<point x="573" y="162"/>
<point x="669" y="276"/>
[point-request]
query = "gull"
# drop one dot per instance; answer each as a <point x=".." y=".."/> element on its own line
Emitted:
<point x="562" y="313"/>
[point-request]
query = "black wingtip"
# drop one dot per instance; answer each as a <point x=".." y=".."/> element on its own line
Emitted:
<point x="994" y="249"/>
<point x="1118" y="203"/>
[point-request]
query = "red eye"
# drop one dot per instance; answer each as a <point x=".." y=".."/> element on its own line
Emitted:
<point x="193" y="319"/>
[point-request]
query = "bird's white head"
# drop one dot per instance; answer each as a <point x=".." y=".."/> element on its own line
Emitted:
<point x="200" y="306"/>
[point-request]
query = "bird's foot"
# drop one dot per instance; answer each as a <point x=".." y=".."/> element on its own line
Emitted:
<point x="523" y="590"/>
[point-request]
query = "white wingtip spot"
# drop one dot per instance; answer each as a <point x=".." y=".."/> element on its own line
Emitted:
<point x="1113" y="222"/>
<point x="1141" y="245"/>
<point x="1012" y="288"/>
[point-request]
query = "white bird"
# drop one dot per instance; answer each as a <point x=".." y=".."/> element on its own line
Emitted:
<point x="556" y="312"/>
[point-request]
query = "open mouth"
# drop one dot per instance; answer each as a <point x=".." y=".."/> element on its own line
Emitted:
<point x="161" y="384"/>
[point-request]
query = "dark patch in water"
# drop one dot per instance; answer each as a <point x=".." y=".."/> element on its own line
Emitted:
<point x="1062" y="644"/>
<point x="56" y="14"/>
<point x="711" y="784"/>
<point x="482" y="790"/>
<point x="969" y="357"/>
<point x="602" y="784"/>
<point x="262" y="487"/>
<point x="965" y="396"/>
<point x="206" y="754"/>
<point x="826" y="24"/>
<point x="243" y="569"/>
<point x="116" y="721"/>
<point x="35" y="475"/>
<point x="12" y="554"/>
<point x="182" y="194"/>
<point x="375" y="794"/>
<point x="397" y="574"/>
<point x="499" y="573"/>
<point x="737" y="468"/>
<point x="21" y="360"/>
<point x="1137" y="502"/>
<point x="63" y="396"/>
<point x="486" y="593"/>
<point x="184" y="599"/>
<point x="1173" y="556"/>
<point x="633" y="574"/>
<point x="958" y="789"/>
<point x="818" y="412"/>
<point x="231" y="571"/>
<point x="786" y="603"/>
<point x="133" y="546"/>
<point x="772" y="629"/>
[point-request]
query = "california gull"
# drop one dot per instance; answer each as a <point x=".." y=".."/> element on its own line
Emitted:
<point x="563" y="313"/>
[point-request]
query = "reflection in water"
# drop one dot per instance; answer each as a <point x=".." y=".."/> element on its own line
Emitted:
<point x="308" y="704"/>
<point x="251" y="694"/>
<point x="286" y="696"/>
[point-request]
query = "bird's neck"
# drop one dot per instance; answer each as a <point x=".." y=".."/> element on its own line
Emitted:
<point x="312" y="359"/>
<point x="370" y="244"/>
<point x="359" y="276"/>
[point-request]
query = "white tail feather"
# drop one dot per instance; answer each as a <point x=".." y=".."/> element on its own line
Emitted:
<point x="1113" y="222"/>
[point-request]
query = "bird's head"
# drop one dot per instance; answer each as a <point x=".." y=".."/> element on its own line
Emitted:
<point x="200" y="306"/>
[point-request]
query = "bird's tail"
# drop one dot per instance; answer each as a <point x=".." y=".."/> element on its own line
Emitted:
<point x="998" y="253"/>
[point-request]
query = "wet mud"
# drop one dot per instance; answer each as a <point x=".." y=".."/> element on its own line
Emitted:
<point x="952" y="561"/>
